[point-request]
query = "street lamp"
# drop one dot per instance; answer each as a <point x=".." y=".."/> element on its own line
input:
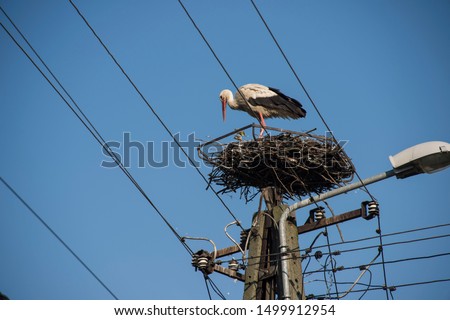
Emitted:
<point x="426" y="157"/>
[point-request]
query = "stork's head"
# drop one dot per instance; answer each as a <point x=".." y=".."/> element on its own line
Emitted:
<point x="225" y="96"/>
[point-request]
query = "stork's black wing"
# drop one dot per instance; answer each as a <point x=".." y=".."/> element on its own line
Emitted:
<point x="278" y="104"/>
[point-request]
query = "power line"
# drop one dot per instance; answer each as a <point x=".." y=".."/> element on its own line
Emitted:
<point x="390" y="262"/>
<point x="392" y="288"/>
<point x="349" y="282"/>
<point x="226" y="72"/>
<point x="364" y="268"/>
<point x="91" y="128"/>
<point x="338" y="252"/>
<point x="309" y="249"/>
<point x="396" y="243"/>
<point x="276" y="255"/>
<point x="53" y="75"/>
<point x="421" y="283"/>
<point x="290" y="65"/>
<point x="304" y="89"/>
<point x="13" y="191"/>
<point x="234" y="84"/>
<point x="411" y="259"/>
<point x="385" y="235"/>
<point x="417" y="229"/>
<point x="220" y="62"/>
<point x="101" y="141"/>
<point x="214" y="287"/>
<point x="388" y="289"/>
<point x="207" y="287"/>
<point x="152" y="110"/>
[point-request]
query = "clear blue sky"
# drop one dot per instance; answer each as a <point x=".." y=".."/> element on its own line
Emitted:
<point x="379" y="71"/>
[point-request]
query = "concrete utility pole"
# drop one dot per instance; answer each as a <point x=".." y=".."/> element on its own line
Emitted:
<point x="262" y="276"/>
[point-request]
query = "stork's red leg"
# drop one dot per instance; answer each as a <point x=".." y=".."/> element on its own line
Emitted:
<point x="263" y="124"/>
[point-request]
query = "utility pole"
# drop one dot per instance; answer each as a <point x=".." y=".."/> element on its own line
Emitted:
<point x="296" y="288"/>
<point x="262" y="276"/>
<point x="272" y="268"/>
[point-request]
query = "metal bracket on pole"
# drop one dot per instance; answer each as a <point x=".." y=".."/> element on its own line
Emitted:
<point x="368" y="210"/>
<point x="229" y="272"/>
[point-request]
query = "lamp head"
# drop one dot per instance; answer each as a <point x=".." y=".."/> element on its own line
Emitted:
<point x="426" y="157"/>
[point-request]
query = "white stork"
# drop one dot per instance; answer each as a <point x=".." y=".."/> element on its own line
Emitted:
<point x="260" y="101"/>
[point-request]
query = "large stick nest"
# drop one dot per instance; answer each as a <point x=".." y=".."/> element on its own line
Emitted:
<point x="297" y="165"/>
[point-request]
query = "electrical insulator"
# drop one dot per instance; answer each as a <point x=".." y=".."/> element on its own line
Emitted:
<point x="319" y="213"/>
<point x="233" y="265"/>
<point x="202" y="262"/>
<point x="244" y="235"/>
<point x="373" y="208"/>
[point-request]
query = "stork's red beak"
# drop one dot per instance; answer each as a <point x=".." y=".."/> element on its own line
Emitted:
<point x="224" y="109"/>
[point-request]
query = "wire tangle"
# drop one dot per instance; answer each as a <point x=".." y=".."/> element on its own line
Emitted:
<point x="382" y="287"/>
<point x="307" y="251"/>
<point x="327" y="268"/>
<point x="389" y="235"/>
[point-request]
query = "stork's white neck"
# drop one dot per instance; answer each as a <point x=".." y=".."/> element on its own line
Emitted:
<point x="230" y="99"/>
